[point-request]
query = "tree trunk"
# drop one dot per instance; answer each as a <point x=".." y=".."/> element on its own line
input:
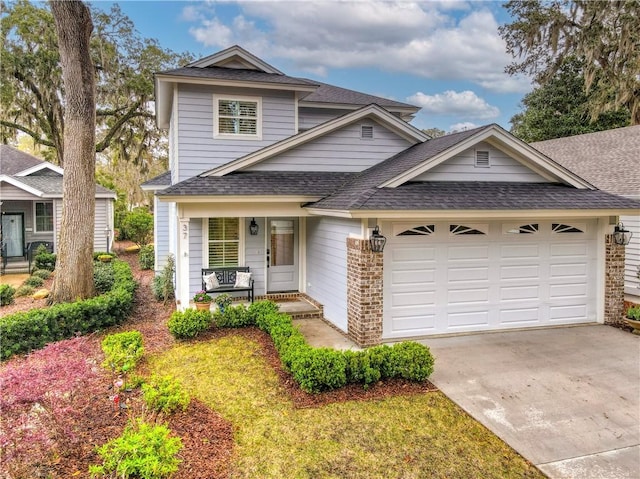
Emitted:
<point x="74" y="270"/>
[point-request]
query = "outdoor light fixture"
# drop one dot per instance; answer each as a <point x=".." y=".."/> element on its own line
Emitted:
<point x="621" y="236"/>
<point x="107" y="233"/>
<point x="377" y="241"/>
<point x="253" y="227"/>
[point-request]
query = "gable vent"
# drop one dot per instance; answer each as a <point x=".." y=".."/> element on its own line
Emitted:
<point x="482" y="159"/>
<point x="366" y="132"/>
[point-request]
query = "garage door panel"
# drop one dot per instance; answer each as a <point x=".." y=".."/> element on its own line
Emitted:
<point x="520" y="316"/>
<point x="414" y="253"/>
<point x="418" y="276"/>
<point x="564" y="313"/>
<point x="468" y="252"/>
<point x="466" y="319"/>
<point x="480" y="273"/>
<point x="412" y="321"/>
<point x="514" y="272"/>
<point x="568" y="270"/>
<point x="568" y="290"/>
<point x="468" y="295"/>
<point x="417" y="298"/>
<point x="520" y="251"/>
<point x="519" y="293"/>
<point x="568" y="250"/>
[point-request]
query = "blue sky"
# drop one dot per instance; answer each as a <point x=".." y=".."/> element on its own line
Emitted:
<point x="445" y="56"/>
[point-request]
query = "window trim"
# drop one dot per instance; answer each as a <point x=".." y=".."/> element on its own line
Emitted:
<point x="237" y="136"/>
<point x="35" y="217"/>
<point x="241" y="240"/>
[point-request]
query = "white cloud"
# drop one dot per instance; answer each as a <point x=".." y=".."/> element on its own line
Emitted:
<point x="437" y="40"/>
<point x="467" y="125"/>
<point x="465" y="103"/>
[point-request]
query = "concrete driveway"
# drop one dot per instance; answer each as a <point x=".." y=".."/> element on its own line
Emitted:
<point x="567" y="399"/>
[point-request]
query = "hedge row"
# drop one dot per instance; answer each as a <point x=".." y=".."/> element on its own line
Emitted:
<point x="25" y="331"/>
<point x="321" y="369"/>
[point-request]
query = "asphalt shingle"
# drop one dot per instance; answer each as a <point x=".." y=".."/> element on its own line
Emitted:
<point x="14" y="161"/>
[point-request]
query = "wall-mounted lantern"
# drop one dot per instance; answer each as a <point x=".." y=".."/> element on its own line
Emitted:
<point x="621" y="236"/>
<point x="377" y="241"/>
<point x="253" y="227"/>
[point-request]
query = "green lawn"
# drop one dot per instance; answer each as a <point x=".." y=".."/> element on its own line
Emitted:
<point x="423" y="435"/>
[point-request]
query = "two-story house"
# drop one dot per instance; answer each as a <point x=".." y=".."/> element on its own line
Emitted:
<point x="291" y="177"/>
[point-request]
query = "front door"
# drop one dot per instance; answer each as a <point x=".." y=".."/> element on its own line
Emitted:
<point x="13" y="233"/>
<point x="282" y="255"/>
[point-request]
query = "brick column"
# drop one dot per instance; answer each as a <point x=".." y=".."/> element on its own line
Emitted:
<point x="614" y="282"/>
<point x="364" y="293"/>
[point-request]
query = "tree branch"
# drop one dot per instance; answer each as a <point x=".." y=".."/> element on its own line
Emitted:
<point x="29" y="132"/>
<point x="132" y="113"/>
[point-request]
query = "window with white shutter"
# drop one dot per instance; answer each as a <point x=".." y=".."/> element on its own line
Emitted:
<point x="237" y="117"/>
<point x="224" y="242"/>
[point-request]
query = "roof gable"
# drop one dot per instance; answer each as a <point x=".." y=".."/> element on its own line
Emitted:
<point x="14" y="161"/>
<point x="500" y="139"/>
<point x="235" y="57"/>
<point x="374" y="112"/>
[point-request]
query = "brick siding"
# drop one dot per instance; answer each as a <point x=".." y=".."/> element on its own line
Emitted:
<point x="614" y="282"/>
<point x="364" y="293"/>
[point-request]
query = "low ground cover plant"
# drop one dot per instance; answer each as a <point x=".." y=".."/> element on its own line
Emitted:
<point x="144" y="451"/>
<point x="122" y="351"/>
<point x="24" y="290"/>
<point x="34" y="281"/>
<point x="42" y="273"/>
<point x="24" y="331"/>
<point x="165" y="394"/>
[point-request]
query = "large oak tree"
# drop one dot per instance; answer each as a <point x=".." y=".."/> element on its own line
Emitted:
<point x="603" y="34"/>
<point x="74" y="271"/>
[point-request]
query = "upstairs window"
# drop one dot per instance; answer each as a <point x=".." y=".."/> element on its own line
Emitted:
<point x="237" y="117"/>
<point x="44" y="217"/>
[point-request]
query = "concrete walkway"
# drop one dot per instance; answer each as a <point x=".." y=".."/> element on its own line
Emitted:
<point x="567" y="399"/>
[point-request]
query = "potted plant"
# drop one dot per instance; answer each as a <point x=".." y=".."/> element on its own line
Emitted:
<point x="202" y="300"/>
<point x="633" y="318"/>
<point x="223" y="300"/>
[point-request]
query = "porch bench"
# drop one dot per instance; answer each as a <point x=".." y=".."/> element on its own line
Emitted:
<point x="227" y="279"/>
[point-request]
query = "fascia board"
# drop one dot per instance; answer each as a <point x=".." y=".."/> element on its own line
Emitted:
<point x="153" y="187"/>
<point x="352" y="106"/>
<point x="239" y="199"/>
<point x="42" y="166"/>
<point x="236" y="83"/>
<point x="470" y="214"/>
<point x="539" y="163"/>
<point x="400" y="127"/>
<point x="22" y="186"/>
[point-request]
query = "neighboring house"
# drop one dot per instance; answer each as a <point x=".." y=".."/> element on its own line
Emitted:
<point x="483" y="231"/>
<point x="31" y="206"/>
<point x="610" y="160"/>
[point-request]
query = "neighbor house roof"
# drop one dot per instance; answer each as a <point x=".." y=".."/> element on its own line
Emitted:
<point x="161" y="181"/>
<point x="13" y="161"/>
<point x="608" y="159"/>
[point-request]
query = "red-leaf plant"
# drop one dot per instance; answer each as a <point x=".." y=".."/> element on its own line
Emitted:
<point x="42" y="396"/>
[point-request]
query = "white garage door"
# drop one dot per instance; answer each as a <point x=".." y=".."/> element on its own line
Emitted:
<point x="456" y="276"/>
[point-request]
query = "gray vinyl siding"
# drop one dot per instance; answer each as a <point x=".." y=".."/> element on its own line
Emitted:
<point x="198" y="151"/>
<point x="461" y="168"/>
<point x="10" y="192"/>
<point x="341" y="150"/>
<point x="254" y="255"/>
<point x="161" y="232"/>
<point x="327" y="265"/>
<point x="101" y="222"/>
<point x="310" y="117"/>
<point x="632" y="256"/>
<point x="195" y="255"/>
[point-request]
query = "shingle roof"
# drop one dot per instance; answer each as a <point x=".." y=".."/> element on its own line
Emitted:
<point x="255" y="183"/>
<point x="51" y="186"/>
<point x="610" y="159"/>
<point x="14" y="161"/>
<point x="163" y="179"/>
<point x="237" y="74"/>
<point x="334" y="94"/>
<point x="445" y="195"/>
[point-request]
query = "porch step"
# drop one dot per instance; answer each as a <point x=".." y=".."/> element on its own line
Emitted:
<point x="297" y="305"/>
<point x="16" y="268"/>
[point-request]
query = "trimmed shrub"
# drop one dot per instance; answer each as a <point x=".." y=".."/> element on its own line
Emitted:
<point x="22" y="332"/>
<point x="165" y="394"/>
<point x="42" y="273"/>
<point x="233" y="317"/>
<point x="7" y="293"/>
<point x="122" y="351"/>
<point x="412" y="361"/>
<point x="162" y="286"/>
<point x="358" y="368"/>
<point x="43" y="259"/>
<point x="34" y="281"/>
<point x="103" y="277"/>
<point x="259" y="310"/>
<point x="189" y="323"/>
<point x="319" y="369"/>
<point x="138" y="226"/>
<point x="144" y="451"/>
<point x="24" y="290"/>
<point x="146" y="257"/>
